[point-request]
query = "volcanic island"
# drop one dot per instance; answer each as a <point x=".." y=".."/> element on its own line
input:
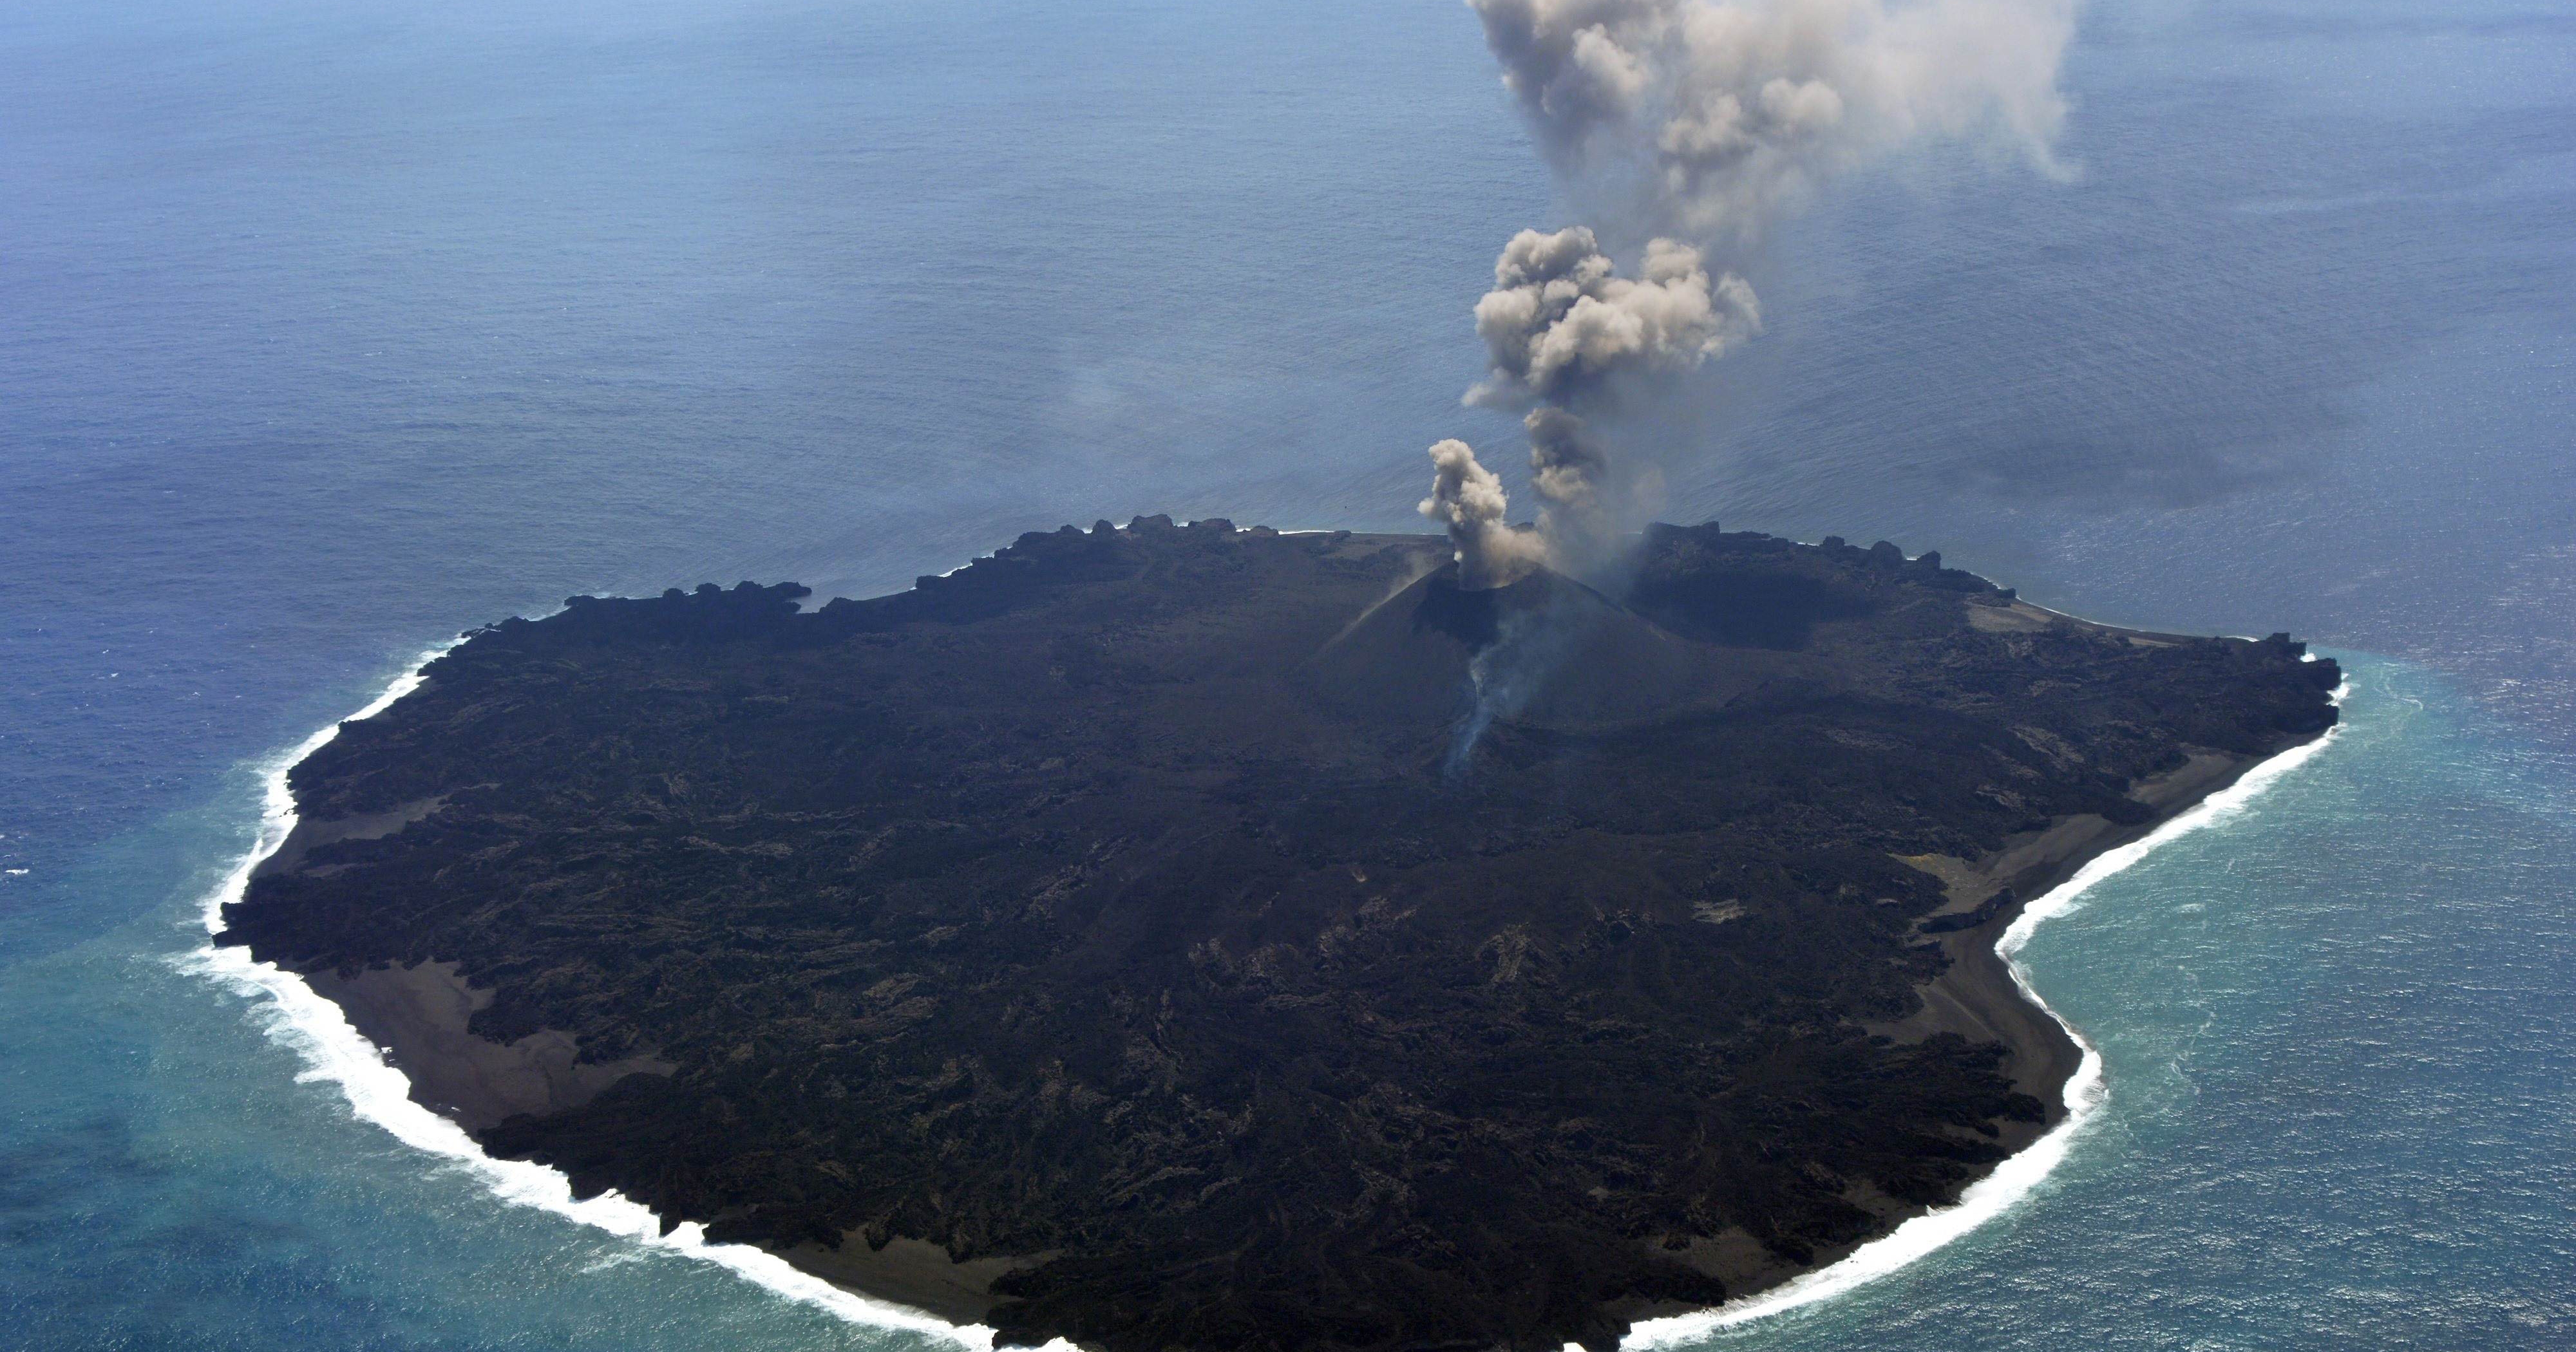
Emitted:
<point x="1191" y="939"/>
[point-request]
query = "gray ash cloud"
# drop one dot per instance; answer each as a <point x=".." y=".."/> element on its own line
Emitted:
<point x="1700" y="124"/>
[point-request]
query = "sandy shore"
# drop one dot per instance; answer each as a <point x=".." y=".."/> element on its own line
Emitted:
<point x="1977" y="997"/>
<point x="913" y="1273"/>
<point x="419" y="1014"/>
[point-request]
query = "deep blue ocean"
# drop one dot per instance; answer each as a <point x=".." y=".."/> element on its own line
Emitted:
<point x="330" y="329"/>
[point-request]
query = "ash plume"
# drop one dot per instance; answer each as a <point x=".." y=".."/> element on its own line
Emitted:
<point x="1694" y="126"/>
<point x="1697" y="124"/>
<point x="1561" y="323"/>
<point x="1588" y="499"/>
<point x="1467" y="500"/>
<point x="1705" y="118"/>
<point x="1562" y="328"/>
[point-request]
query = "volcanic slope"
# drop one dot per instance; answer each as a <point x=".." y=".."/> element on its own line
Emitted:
<point x="1124" y="938"/>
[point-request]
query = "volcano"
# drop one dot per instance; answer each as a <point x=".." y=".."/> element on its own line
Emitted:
<point x="1188" y="937"/>
<point x="1545" y="652"/>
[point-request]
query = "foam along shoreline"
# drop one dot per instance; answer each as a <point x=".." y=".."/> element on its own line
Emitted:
<point x="297" y="1017"/>
<point x="318" y="1030"/>
<point x="2017" y="1177"/>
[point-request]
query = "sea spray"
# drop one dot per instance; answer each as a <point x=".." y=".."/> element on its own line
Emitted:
<point x="298" y="1018"/>
<point x="2018" y="1177"/>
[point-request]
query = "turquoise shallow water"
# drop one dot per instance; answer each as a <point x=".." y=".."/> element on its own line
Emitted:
<point x="329" y="327"/>
<point x="2339" y="1041"/>
<point x="2337" y="1028"/>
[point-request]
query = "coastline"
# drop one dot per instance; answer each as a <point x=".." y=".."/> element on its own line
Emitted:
<point x="377" y="1089"/>
<point x="2083" y="1089"/>
<point x="298" y="1017"/>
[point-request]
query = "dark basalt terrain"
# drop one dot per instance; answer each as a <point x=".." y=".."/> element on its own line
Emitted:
<point x="1134" y="904"/>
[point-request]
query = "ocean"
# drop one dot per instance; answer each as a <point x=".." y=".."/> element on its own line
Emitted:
<point x="329" y="330"/>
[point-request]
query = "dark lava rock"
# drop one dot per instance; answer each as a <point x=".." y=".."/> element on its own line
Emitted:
<point x="1136" y="898"/>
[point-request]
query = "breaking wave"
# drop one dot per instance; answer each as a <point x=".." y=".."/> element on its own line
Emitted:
<point x="294" y="1016"/>
<point x="2016" y="1178"/>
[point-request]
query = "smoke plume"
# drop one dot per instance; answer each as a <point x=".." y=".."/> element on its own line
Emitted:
<point x="1698" y="123"/>
<point x="1584" y="503"/>
<point x="1570" y="469"/>
<point x="1561" y="323"/>
<point x="1711" y="116"/>
<point x="1563" y="328"/>
<point x="1467" y="500"/>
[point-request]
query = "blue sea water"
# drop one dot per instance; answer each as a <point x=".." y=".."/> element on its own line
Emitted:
<point x="328" y="329"/>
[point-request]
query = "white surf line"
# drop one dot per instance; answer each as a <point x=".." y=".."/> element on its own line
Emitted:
<point x="297" y="1018"/>
<point x="2017" y="1177"/>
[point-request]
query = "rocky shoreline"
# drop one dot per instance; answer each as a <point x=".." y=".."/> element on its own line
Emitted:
<point x="419" y="1017"/>
<point x="541" y="1077"/>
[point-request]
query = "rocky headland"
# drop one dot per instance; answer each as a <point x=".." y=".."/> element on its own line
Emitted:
<point x="1197" y="938"/>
